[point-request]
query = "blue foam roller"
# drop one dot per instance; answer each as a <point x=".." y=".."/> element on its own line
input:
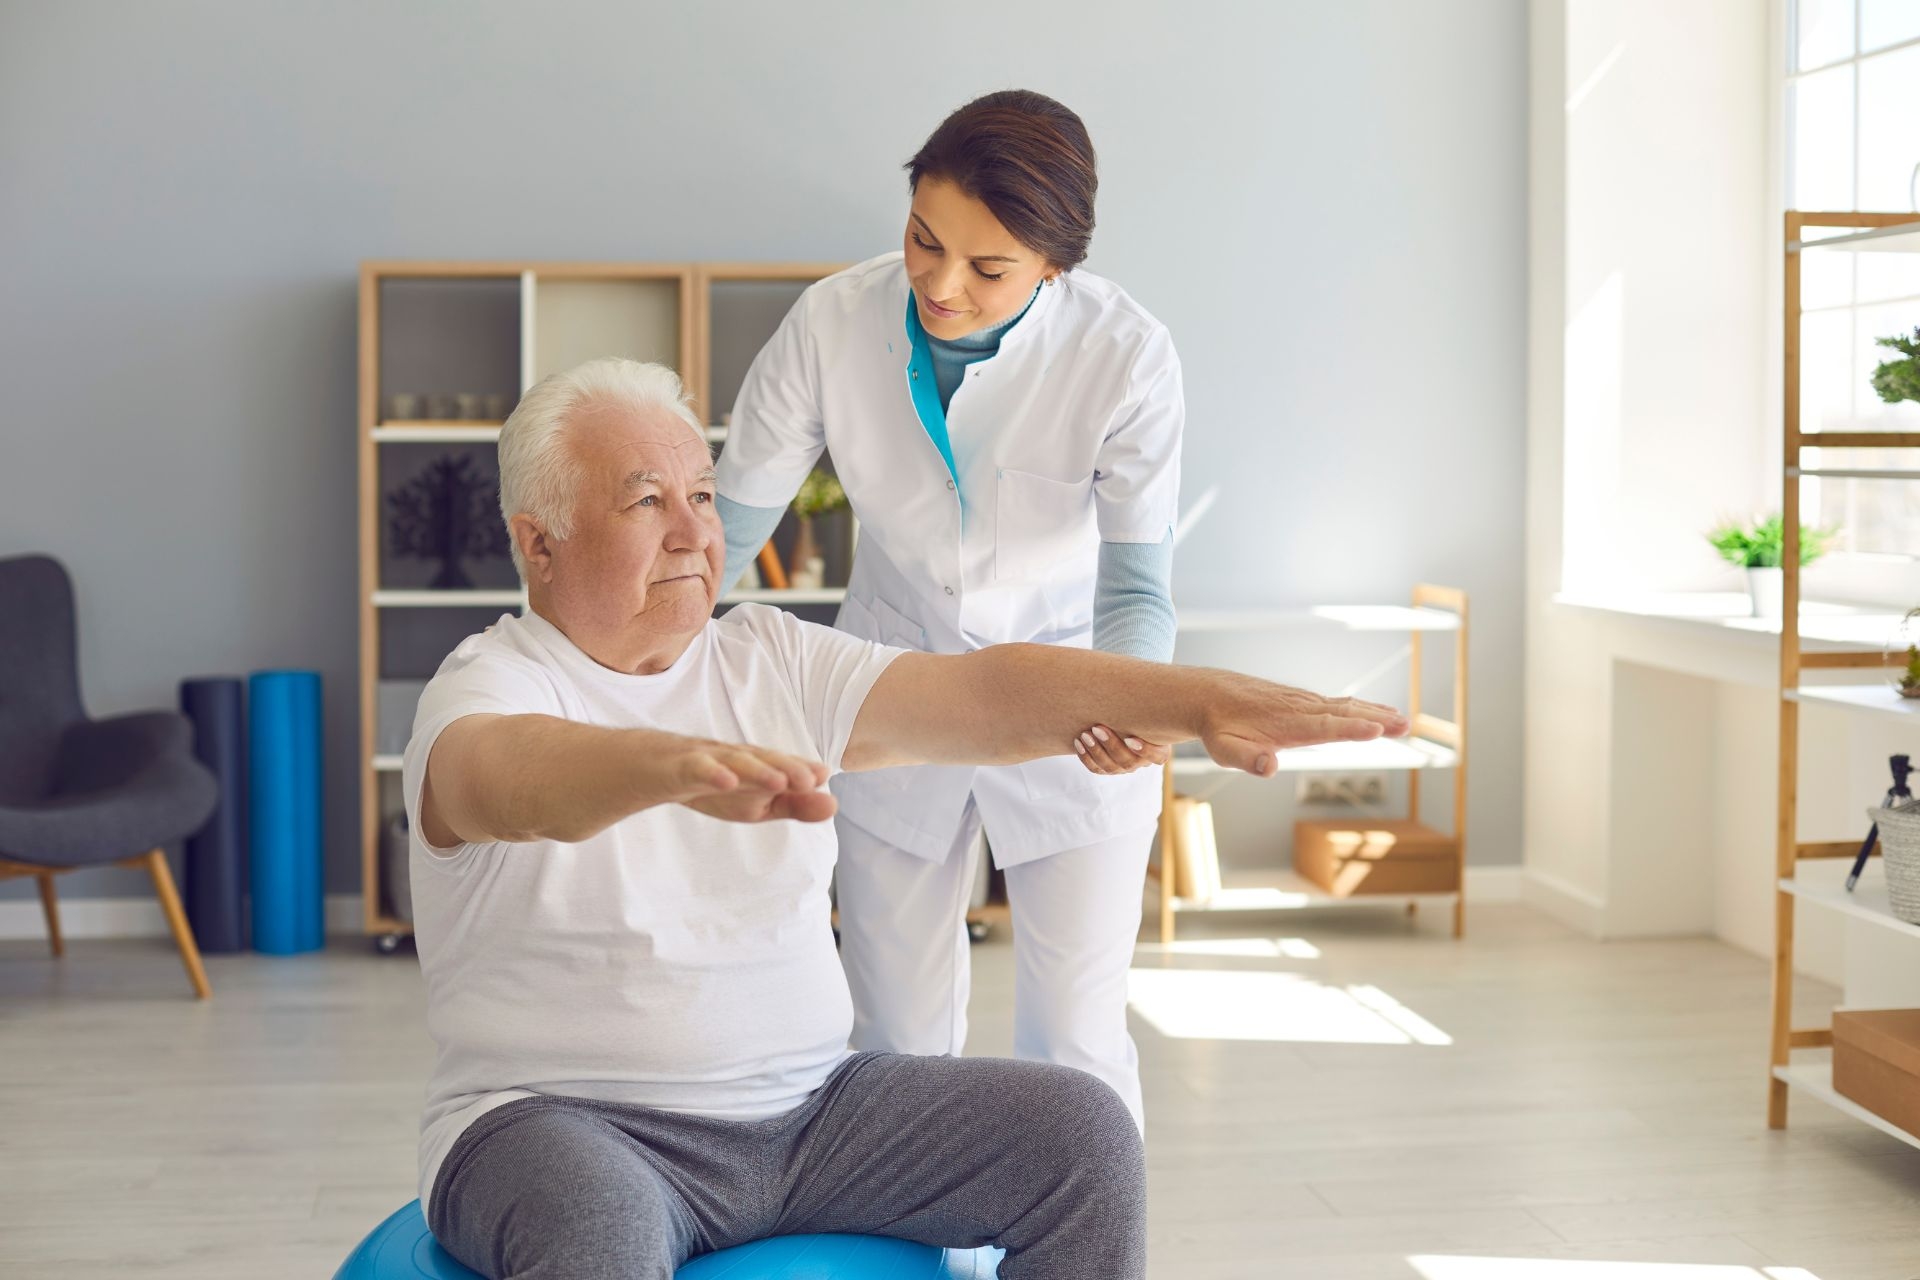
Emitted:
<point x="216" y="853"/>
<point x="283" y="770"/>
<point x="401" y="1248"/>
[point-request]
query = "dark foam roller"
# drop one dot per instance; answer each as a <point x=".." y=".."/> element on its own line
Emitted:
<point x="216" y="854"/>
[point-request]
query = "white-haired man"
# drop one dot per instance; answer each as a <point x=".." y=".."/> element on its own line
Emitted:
<point x="620" y="867"/>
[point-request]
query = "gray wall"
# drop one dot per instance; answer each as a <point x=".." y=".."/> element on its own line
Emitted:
<point x="1325" y="201"/>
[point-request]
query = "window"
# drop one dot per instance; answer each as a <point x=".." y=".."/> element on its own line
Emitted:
<point x="1852" y="97"/>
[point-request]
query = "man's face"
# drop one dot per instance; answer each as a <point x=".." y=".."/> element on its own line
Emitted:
<point x="643" y="562"/>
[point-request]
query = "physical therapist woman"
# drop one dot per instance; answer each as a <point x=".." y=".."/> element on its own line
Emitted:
<point x="1007" y="429"/>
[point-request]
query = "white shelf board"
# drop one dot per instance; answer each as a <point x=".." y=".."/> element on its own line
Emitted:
<point x="1816" y="1078"/>
<point x="1381" y="754"/>
<point x="1351" y="617"/>
<point x="1903" y="238"/>
<point x="474" y="433"/>
<point x="452" y="433"/>
<point x="1867" y="902"/>
<point x="507" y="597"/>
<point x="1852" y="473"/>
<point x="789" y="595"/>
<point x="1287" y="891"/>
<point x="387" y="764"/>
<point x="1877" y="699"/>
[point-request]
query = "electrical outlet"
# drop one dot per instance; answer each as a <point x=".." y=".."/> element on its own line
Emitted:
<point x="1351" y="790"/>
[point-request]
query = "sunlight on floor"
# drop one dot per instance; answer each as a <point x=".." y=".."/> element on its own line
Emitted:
<point x="1210" y="1004"/>
<point x="1438" y="1268"/>
<point x="1257" y="948"/>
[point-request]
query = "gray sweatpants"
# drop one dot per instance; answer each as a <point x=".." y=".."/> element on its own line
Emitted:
<point x="1041" y="1160"/>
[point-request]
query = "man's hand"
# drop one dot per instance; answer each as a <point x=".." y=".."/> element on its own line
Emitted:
<point x="1106" y="752"/>
<point x="1247" y="720"/>
<point x="745" y="784"/>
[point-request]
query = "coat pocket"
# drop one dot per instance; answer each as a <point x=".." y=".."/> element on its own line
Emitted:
<point x="1039" y="523"/>
<point x="875" y="619"/>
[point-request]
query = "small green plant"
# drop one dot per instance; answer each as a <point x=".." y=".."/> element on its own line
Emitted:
<point x="1910" y="678"/>
<point x="1899" y="379"/>
<point x="1763" y="543"/>
<point x="819" y="494"/>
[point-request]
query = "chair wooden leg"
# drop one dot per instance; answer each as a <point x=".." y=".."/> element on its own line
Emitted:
<point x="156" y="862"/>
<point x="50" y="906"/>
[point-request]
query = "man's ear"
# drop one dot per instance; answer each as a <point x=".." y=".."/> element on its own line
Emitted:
<point x="534" y="548"/>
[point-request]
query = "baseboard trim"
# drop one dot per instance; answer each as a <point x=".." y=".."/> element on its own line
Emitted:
<point x="135" y="918"/>
<point x="1564" y="901"/>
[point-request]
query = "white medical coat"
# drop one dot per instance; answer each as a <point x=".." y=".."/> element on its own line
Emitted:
<point x="1069" y="435"/>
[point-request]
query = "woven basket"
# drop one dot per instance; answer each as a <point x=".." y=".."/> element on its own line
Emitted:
<point x="1900" y="850"/>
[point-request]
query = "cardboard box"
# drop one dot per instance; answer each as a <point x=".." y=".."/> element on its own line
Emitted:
<point x="1196" y="856"/>
<point x="1876" y="1062"/>
<point x="1369" y="855"/>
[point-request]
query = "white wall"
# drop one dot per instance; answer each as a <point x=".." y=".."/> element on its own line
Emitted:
<point x="1323" y="200"/>
<point x="1649" y="214"/>
<point x="1653" y="406"/>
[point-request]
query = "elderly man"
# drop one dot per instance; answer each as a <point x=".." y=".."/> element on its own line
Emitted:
<point x="620" y="867"/>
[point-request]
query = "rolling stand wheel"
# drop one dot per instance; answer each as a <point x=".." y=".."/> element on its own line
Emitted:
<point x="978" y="931"/>
<point x="387" y="943"/>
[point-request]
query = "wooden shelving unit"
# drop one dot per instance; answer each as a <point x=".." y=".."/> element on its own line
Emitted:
<point x="1869" y="233"/>
<point x="497" y="328"/>
<point x="1433" y="743"/>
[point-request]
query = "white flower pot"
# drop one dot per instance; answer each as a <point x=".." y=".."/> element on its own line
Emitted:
<point x="1766" y="587"/>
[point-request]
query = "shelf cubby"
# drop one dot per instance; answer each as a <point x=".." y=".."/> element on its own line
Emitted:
<point x="642" y="313"/>
<point x="441" y="336"/>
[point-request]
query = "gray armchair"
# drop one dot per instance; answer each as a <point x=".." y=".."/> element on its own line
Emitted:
<point x="76" y="792"/>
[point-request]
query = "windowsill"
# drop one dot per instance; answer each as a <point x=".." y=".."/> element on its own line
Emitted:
<point x="1825" y="626"/>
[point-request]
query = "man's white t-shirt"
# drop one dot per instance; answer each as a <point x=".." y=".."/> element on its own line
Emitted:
<point x="674" y="960"/>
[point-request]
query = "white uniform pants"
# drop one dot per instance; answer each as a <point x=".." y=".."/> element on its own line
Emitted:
<point x="1076" y="914"/>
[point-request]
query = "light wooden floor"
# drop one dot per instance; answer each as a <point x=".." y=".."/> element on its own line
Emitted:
<point x="1598" y="1103"/>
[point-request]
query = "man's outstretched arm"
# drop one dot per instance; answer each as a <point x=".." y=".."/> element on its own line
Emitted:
<point x="1015" y="702"/>
<point x="518" y="778"/>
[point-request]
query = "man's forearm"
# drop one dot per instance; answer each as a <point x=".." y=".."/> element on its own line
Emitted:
<point x="531" y="777"/>
<point x="1016" y="702"/>
<point x="1024" y="701"/>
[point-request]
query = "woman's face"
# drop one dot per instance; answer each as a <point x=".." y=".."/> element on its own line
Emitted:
<point x="968" y="272"/>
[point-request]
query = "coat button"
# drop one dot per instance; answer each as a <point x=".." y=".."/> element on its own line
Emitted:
<point x="949" y="484"/>
<point x="949" y="590"/>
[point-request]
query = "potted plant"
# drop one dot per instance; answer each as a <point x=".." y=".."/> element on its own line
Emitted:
<point x="820" y="493"/>
<point x="1898" y="379"/>
<point x="1903" y="656"/>
<point x="1759" y="547"/>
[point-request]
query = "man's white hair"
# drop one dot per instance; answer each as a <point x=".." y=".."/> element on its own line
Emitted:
<point x="539" y="474"/>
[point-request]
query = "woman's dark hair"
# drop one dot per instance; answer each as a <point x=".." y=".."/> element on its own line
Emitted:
<point x="1029" y="160"/>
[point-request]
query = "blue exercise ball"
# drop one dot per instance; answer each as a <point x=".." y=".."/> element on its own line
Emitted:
<point x="401" y="1248"/>
<point x="842" y="1258"/>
